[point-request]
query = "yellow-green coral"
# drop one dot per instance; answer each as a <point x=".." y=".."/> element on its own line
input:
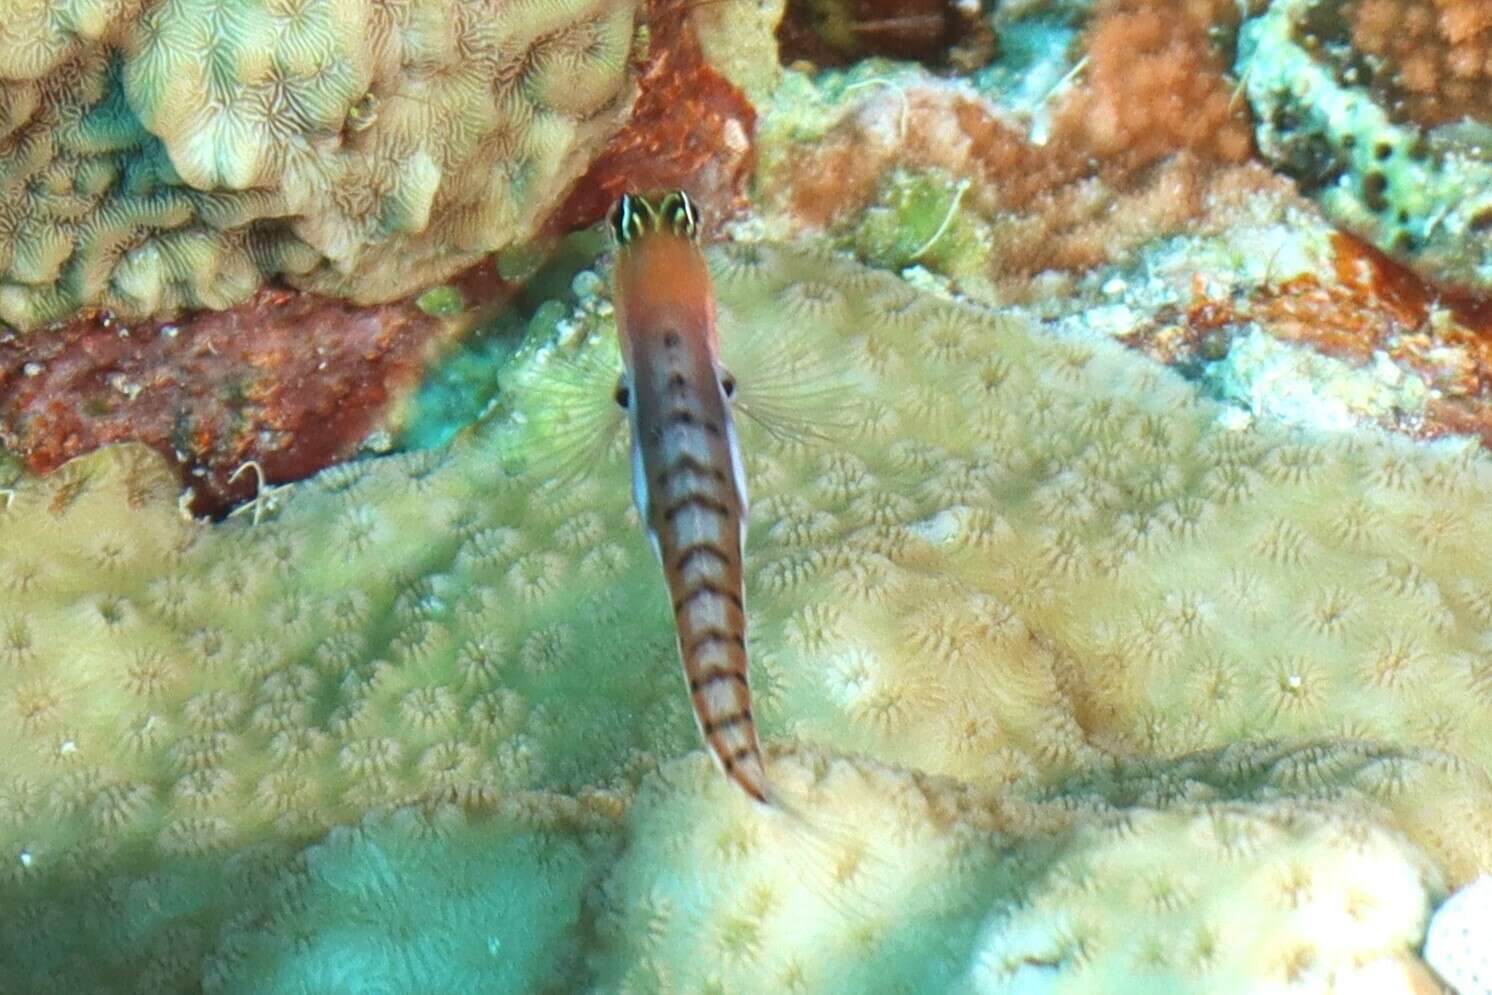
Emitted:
<point x="929" y="887"/>
<point x="174" y="153"/>
<point x="739" y="38"/>
<point x="916" y="219"/>
<point x="996" y="556"/>
<point x="418" y="903"/>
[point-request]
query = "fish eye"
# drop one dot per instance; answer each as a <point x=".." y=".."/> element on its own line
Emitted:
<point x="682" y="214"/>
<point x="728" y="384"/>
<point x="623" y="395"/>
<point x="627" y="218"/>
<point x="618" y="219"/>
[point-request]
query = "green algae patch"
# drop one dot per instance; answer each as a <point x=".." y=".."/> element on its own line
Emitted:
<point x="916" y="219"/>
<point x="441" y="302"/>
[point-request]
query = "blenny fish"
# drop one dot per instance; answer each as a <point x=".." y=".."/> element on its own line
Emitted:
<point x="687" y="476"/>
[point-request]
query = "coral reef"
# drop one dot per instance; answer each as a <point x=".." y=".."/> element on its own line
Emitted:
<point x="175" y="153"/>
<point x="1141" y="140"/>
<point x="1146" y="692"/>
<point x="691" y="126"/>
<point x="738" y="38"/>
<point x="1099" y="173"/>
<point x="1431" y="60"/>
<point x="937" y="889"/>
<point x="1153" y="86"/>
<point x="1011" y="559"/>
<point x="1351" y="336"/>
<point x="414" y="903"/>
<point x="1423" y="195"/>
<point x="1202" y="876"/>
<point x="295" y="381"/>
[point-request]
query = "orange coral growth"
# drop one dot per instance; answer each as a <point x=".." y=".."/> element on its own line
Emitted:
<point x="1446" y="341"/>
<point x="292" y="380"/>
<point x="1367" y="300"/>
<point x="1434" y="56"/>
<point x="1155" y="86"/>
<point x="1139" y="145"/>
<point x="690" y="128"/>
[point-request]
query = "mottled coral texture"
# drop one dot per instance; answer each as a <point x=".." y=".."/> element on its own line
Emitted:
<point x="295" y="380"/>
<point x="1145" y="140"/>
<point x="1324" y="116"/>
<point x="175" y="153"/>
<point x="1432" y="59"/>
<point x="1000" y="557"/>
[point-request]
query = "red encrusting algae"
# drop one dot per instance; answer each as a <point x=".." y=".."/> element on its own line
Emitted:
<point x="292" y="381"/>
<point x="1365" y="305"/>
<point x="691" y="129"/>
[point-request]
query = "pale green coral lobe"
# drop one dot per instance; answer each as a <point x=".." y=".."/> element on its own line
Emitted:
<point x="415" y="903"/>
<point x="945" y="890"/>
<point x="987" y="554"/>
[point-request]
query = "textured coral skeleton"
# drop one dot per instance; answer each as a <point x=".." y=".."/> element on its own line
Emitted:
<point x="1382" y="166"/>
<point x="358" y="149"/>
<point x="1066" y="560"/>
<point x="298" y="380"/>
<point x="1139" y="133"/>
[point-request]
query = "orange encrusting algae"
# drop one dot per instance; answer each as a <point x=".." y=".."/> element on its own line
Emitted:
<point x="686" y="465"/>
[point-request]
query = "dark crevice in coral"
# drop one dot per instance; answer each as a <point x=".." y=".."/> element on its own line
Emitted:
<point x="831" y="33"/>
<point x="461" y="385"/>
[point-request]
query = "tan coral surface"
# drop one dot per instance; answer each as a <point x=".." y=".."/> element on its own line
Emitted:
<point x="175" y="153"/>
<point x="995" y="896"/>
<point x="996" y="556"/>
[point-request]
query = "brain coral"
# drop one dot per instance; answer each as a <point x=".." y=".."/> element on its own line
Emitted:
<point x="1000" y="557"/>
<point x="173" y="153"/>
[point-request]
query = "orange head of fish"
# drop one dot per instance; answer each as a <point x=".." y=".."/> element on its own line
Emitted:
<point x="660" y="283"/>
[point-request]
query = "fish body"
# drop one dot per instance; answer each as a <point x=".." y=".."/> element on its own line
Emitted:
<point x="687" y="475"/>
